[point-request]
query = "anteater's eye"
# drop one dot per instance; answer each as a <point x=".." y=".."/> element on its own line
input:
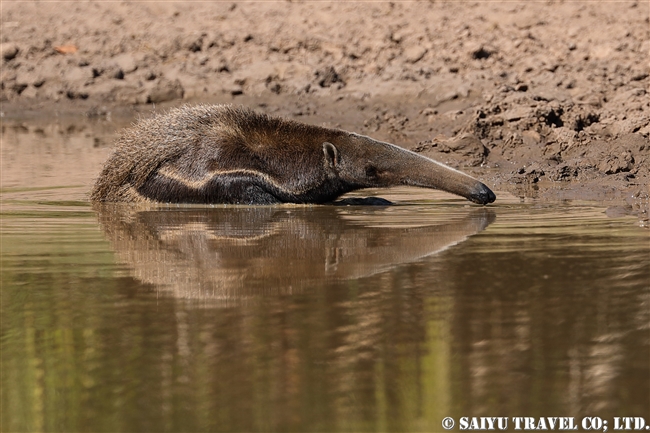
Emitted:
<point x="371" y="171"/>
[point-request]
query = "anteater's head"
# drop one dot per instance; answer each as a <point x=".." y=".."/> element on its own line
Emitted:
<point x="368" y="163"/>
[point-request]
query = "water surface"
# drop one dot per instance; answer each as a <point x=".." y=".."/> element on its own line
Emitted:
<point x="307" y="318"/>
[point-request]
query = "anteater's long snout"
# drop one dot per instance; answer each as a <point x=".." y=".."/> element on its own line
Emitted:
<point x="425" y="172"/>
<point x="482" y="194"/>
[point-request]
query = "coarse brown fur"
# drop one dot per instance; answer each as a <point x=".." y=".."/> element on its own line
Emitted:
<point x="226" y="154"/>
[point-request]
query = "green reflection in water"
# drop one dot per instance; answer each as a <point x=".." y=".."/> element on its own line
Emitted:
<point x="544" y="312"/>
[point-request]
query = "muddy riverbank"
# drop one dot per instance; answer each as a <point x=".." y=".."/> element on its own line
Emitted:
<point x="540" y="99"/>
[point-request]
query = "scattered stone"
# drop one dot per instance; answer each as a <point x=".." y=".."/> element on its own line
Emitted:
<point x="616" y="164"/>
<point x="77" y="94"/>
<point x="235" y="89"/>
<point x="79" y="75"/>
<point x="30" y="92"/>
<point x="18" y="87"/>
<point x="165" y="90"/>
<point x="415" y="54"/>
<point x="108" y="69"/>
<point x="427" y="112"/>
<point x="530" y="173"/>
<point x="194" y="43"/>
<point x="517" y="113"/>
<point x="222" y="66"/>
<point x="30" y="78"/>
<point x="564" y="136"/>
<point x="639" y="75"/>
<point x="328" y="76"/>
<point x="531" y="138"/>
<point x="563" y="173"/>
<point x="273" y="86"/>
<point x="9" y="50"/>
<point x="125" y="63"/>
<point x="467" y="145"/>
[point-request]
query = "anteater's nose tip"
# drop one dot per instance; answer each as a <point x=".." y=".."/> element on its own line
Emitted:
<point x="483" y="195"/>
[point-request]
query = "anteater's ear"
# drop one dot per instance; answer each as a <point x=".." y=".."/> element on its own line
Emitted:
<point x="332" y="157"/>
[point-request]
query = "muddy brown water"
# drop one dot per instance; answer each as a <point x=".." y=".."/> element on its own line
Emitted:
<point x="306" y="318"/>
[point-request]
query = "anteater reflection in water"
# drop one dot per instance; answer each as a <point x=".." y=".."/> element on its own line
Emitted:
<point x="235" y="253"/>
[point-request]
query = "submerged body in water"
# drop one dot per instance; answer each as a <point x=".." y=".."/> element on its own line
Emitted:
<point x="226" y="154"/>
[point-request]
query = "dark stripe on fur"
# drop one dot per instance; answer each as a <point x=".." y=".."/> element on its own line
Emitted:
<point x="233" y="189"/>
